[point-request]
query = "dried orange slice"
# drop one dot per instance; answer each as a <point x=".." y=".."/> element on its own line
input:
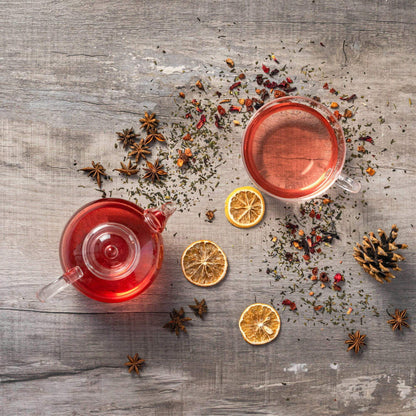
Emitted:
<point x="259" y="324"/>
<point x="204" y="263"/>
<point x="244" y="207"/>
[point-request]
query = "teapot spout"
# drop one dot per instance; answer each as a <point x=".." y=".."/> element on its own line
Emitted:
<point x="157" y="218"/>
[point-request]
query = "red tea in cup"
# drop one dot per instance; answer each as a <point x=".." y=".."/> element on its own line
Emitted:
<point x="293" y="148"/>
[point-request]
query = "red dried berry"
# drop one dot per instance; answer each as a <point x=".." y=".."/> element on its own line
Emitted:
<point x="292" y="305"/>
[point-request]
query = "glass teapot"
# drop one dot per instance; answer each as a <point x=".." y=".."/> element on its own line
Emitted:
<point x="111" y="250"/>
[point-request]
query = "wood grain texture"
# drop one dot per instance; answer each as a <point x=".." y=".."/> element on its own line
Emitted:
<point x="72" y="73"/>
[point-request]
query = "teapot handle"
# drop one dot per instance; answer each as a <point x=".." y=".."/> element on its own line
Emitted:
<point x="59" y="284"/>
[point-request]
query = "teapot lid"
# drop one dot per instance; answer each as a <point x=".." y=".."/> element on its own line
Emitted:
<point x="111" y="251"/>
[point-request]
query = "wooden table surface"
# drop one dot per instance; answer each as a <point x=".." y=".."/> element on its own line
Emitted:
<point x="72" y="74"/>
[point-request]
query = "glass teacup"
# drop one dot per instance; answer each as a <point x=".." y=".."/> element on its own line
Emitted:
<point x="294" y="149"/>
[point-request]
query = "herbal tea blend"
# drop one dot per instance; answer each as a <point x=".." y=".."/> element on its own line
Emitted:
<point x="303" y="259"/>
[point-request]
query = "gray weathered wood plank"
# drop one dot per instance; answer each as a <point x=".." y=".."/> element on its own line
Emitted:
<point x="73" y="73"/>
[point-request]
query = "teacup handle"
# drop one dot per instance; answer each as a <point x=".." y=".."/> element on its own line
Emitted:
<point x="348" y="184"/>
<point x="59" y="284"/>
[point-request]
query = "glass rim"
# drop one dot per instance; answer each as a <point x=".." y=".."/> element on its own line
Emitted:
<point x="335" y="126"/>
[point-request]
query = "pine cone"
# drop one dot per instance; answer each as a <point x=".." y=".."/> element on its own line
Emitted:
<point x="376" y="255"/>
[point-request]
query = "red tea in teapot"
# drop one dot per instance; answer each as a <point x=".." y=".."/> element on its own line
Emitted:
<point x="118" y="247"/>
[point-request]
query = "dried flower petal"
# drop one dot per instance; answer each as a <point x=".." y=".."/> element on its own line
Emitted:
<point x="265" y="68"/>
<point x="201" y="122"/>
<point x="370" y="171"/>
<point x="337" y="115"/>
<point x="230" y="62"/>
<point x="221" y="110"/>
<point x="278" y="94"/>
<point x="235" y="85"/>
<point x="350" y="98"/>
<point x="292" y="305"/>
<point x="366" y="139"/>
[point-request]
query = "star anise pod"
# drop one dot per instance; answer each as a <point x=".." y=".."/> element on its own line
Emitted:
<point x="200" y="308"/>
<point x="149" y="122"/>
<point x="127" y="137"/>
<point x="97" y="171"/>
<point x="398" y="320"/>
<point x="134" y="363"/>
<point x="177" y="321"/>
<point x="154" y="171"/>
<point x="128" y="169"/>
<point x="153" y="135"/>
<point x="355" y="342"/>
<point x="139" y="150"/>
